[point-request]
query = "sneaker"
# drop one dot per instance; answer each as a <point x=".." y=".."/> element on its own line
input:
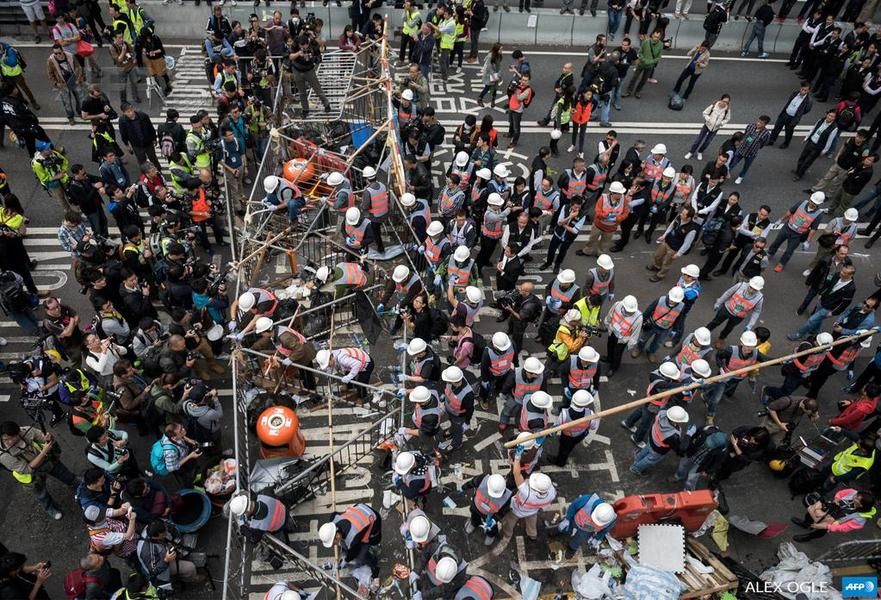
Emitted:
<point x="581" y="155"/>
<point x="763" y="55"/>
<point x="710" y="419"/>
<point x="850" y="375"/>
<point x="806" y="272"/>
<point x="652" y="80"/>
<point x="56" y="514"/>
<point x="743" y="52"/>
<point x="668" y="344"/>
<point x="630" y="428"/>
<point x="738" y="181"/>
<point x="700" y="156"/>
<point x="639" y="444"/>
<point x="778" y="268"/>
<point x="687" y="155"/>
<point x="570" y="148"/>
<point x="488" y="541"/>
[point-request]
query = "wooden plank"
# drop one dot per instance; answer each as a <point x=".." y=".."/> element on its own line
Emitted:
<point x="708" y="557"/>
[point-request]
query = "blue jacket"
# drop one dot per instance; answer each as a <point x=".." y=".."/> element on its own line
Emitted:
<point x="589" y="502"/>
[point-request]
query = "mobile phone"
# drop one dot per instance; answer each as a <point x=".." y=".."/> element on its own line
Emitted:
<point x="47" y="564"/>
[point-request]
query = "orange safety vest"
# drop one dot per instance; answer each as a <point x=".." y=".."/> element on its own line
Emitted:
<point x="606" y="214"/>
<point x="201" y="205"/>
<point x="524" y="388"/>
<point x="499" y="364"/>
<point x="420" y="209"/>
<point x="664" y="317"/>
<point x="682" y="193"/>
<point x="359" y="355"/>
<point x="808" y="364"/>
<point x="378" y="202"/>
<point x="652" y="170"/>
<point x="477" y="588"/>
<point x="432" y="250"/>
<point x="420" y="412"/>
<point x="355" y="234"/>
<point x="580" y="378"/>
<point x="353" y="274"/>
<point x="576" y="184"/>
<point x="661" y="197"/>
<point x="491" y="230"/>
<point x="462" y="274"/>
<point x="686" y="356"/>
<point x="514" y="102"/>
<point x="529" y="413"/>
<point x="528" y="503"/>
<point x="361" y="520"/>
<point x="735" y="362"/>
<point x="621" y="324"/>
<point x="657" y="436"/>
<point x="485" y="504"/>
<point x="738" y="304"/>
<point x="570" y="414"/>
<point x="286" y="352"/>
<point x="543" y="202"/>
<point x="847" y="356"/>
<point x="599" y="178"/>
<point x="599" y="286"/>
<point x="453" y="402"/>
<point x="801" y="220"/>
<point x="446" y="203"/>
<point x="350" y="201"/>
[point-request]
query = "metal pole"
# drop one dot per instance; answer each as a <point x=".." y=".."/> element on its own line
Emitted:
<point x="684" y="388"/>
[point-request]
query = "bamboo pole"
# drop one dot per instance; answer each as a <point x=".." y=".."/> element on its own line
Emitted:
<point x="685" y="388"/>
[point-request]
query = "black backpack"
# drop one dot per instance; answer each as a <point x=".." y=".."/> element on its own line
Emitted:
<point x="479" y="345"/>
<point x="13" y="296"/>
<point x="846" y="117"/>
<point x="440" y="322"/>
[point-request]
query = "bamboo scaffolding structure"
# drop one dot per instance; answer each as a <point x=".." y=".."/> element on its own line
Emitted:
<point x="685" y="388"/>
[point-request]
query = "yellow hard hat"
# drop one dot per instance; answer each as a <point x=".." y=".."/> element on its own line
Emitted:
<point x="777" y="465"/>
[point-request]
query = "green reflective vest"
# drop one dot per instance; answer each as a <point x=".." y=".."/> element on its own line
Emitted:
<point x="412" y="21"/>
<point x="448" y="33"/>
<point x="200" y="156"/>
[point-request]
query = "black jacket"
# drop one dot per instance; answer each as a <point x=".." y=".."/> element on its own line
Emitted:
<point x="138" y="131"/>
<point x="836" y="301"/>
<point x="803" y="108"/>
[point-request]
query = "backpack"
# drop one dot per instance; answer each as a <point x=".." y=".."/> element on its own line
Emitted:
<point x="440" y="322"/>
<point x="157" y="458"/>
<point x="75" y="583"/>
<point x="846" y="117"/>
<point x="73" y="428"/>
<point x="13" y="296"/>
<point x="167" y="144"/>
<point x="479" y="345"/>
<point x="676" y="102"/>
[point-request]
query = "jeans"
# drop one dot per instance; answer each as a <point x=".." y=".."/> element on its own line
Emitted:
<point x="644" y="417"/>
<point x="605" y="103"/>
<point x="457" y="429"/>
<point x="692" y="79"/>
<point x="444" y="62"/>
<point x="579" y="131"/>
<point x="723" y="316"/>
<point x="713" y="394"/>
<point x="514" y="119"/>
<point x="614" y="22"/>
<point x="645" y="460"/>
<point x="747" y="163"/>
<point x="872" y="195"/>
<point x="41" y="494"/>
<point x="475" y="40"/>
<point x="656" y="334"/>
<point x="71" y="98"/>
<point x="758" y="34"/>
<point x="814" y="322"/>
<point x="578" y="537"/>
<point x="129" y="78"/>
<point x="792" y="239"/>
<point x="616" y="93"/>
<point x="26" y="320"/>
<point x="688" y="471"/>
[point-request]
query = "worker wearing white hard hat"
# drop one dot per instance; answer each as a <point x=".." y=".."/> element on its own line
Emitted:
<point x="534" y="412"/>
<point x="407" y="95"/>
<point x="283" y="590"/>
<point x="357" y="531"/>
<point x="495" y="364"/>
<point x="533" y="494"/>
<point x="799" y="224"/>
<point x="260" y="513"/>
<point x="666" y="377"/>
<point x="839" y="231"/>
<point x="624" y="325"/>
<point x="741" y="300"/>
<point x="341" y="198"/>
<point x="600" y="280"/>
<point x="670" y="430"/>
<point x="351" y="364"/>
<point x="580" y="405"/>
<point x="561" y="295"/>
<point x="460" y="270"/>
<point x="258" y="302"/>
<point x="588" y="520"/>
<point x="494" y="220"/>
<point x="695" y="346"/>
<point x="468" y="307"/>
<point x="580" y="372"/>
<point x="663" y="313"/>
<point x="459" y="399"/>
<point x="800" y="371"/>
<point x="375" y="202"/>
<point x="358" y="231"/>
<point x="420" y="529"/>
<point x="519" y="385"/>
<point x="742" y="355"/>
<point x="691" y="288"/>
<point x="491" y="495"/>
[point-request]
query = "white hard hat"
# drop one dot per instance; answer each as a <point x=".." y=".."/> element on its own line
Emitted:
<point x="852" y="215"/>
<point x="677" y="414"/>
<point x="588" y="354"/>
<point x="322" y="273"/>
<point x="533" y="365"/>
<point x="540" y="482"/>
<point x="484" y="173"/>
<point x="818" y="198"/>
<point x="824" y="339"/>
<point x="495" y="199"/>
<point x="270" y="183"/>
<point x="691" y="270"/>
<point x="703" y="336"/>
<point x="582" y="398"/>
<point x="556" y="134"/>
<point x="327" y="533"/>
<point x="495" y="485"/>
<point x="408" y="199"/>
<point x="353" y="215"/>
<point x="675" y="294"/>
<point x="701" y="367"/>
<point x="521" y="441"/>
<point x="435" y="228"/>
<point x="335" y="178"/>
<point x="420" y="526"/>
<point x="290" y="595"/>
<point x="462" y="253"/>
<point x="748" y="339"/>
<point x="500" y="171"/>
<point x="757" y="283"/>
<point x="572" y="315"/>
<point x="473" y="294"/>
<point x="541" y="399"/>
<point x="401" y="273"/>
<point x="461" y="159"/>
<point x="605" y="262"/>
<point x="239" y="504"/>
<point x="501" y="341"/>
<point x="407" y="94"/>
<point x="630" y="304"/>
<point x="446" y="569"/>
<point x="617" y="188"/>
<point x="452" y="374"/>
<point x="566" y="276"/>
<point x="247" y="301"/>
<point x="416" y="346"/>
<point x="670" y="370"/>
<point x="659" y="149"/>
<point x="368" y="172"/>
<point x="404" y="462"/>
<point x="263" y="324"/>
<point x="603" y="514"/>
<point x="669" y="173"/>
<point x="419" y="394"/>
<point x="866" y="341"/>
<point x="322" y="357"/>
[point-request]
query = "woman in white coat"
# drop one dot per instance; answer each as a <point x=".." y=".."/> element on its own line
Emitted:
<point x="716" y="116"/>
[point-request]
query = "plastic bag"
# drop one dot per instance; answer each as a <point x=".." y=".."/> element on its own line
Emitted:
<point x="592" y="585"/>
<point x="795" y="566"/>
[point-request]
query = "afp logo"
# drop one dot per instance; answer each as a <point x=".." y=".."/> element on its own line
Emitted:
<point x="859" y="587"/>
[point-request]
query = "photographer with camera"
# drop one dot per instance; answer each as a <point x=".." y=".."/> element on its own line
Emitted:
<point x="135" y="296"/>
<point x="108" y="450"/>
<point x="124" y="208"/>
<point x="304" y="62"/>
<point x="17" y="302"/>
<point x="150" y="500"/>
<point x="136" y="255"/>
<point x="159" y="559"/>
<point x="84" y="192"/>
<point x="523" y="307"/>
<point x="132" y="404"/>
<point x="204" y="414"/>
<point x="13" y="254"/>
<point x="176" y="455"/>
<point x="109" y="323"/>
<point x="100" y="357"/>
<point x="205" y="207"/>
<point x="38" y="379"/>
<point x="784" y="414"/>
<point x="50" y="166"/>
<point x="146" y="344"/>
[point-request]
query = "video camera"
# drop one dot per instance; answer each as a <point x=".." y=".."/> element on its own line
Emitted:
<point x="218" y="278"/>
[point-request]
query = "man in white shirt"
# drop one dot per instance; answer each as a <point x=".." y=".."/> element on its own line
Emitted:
<point x="798" y="105"/>
<point x="819" y="141"/>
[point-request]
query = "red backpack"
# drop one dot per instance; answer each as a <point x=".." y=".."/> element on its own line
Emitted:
<point x="75" y="584"/>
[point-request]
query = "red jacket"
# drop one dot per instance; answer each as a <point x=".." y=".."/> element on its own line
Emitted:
<point x="855" y="413"/>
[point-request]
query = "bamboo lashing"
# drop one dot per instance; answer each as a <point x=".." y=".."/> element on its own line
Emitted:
<point x="685" y="388"/>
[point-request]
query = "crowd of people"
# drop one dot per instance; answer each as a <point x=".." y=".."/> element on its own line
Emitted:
<point x="149" y="356"/>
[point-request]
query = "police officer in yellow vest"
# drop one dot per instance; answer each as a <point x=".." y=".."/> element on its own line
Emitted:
<point x="446" y="29"/>
<point x="136" y="17"/>
<point x="409" y="28"/>
<point x="120" y="23"/>
<point x="197" y="154"/>
<point x="181" y="171"/>
<point x="51" y="168"/>
<point x="12" y="69"/>
<point x="850" y="463"/>
<point x="30" y="456"/>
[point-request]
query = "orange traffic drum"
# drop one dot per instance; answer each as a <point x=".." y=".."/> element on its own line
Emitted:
<point x="299" y="171"/>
